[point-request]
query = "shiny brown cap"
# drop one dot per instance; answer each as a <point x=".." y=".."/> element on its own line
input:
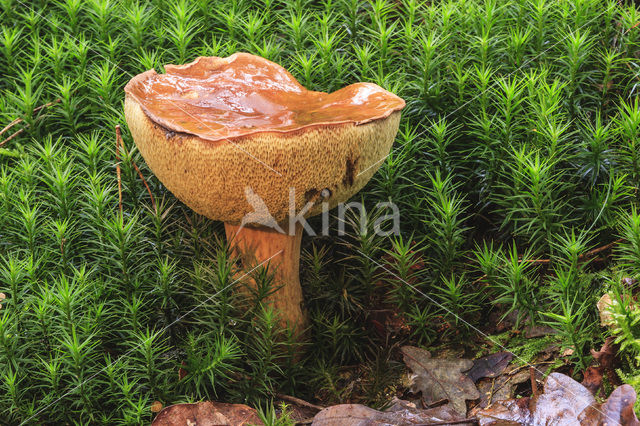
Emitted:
<point x="221" y="98"/>
<point x="217" y="129"/>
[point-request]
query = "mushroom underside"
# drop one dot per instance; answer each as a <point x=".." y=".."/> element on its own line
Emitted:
<point x="226" y="180"/>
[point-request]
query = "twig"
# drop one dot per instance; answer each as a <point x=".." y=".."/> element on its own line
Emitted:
<point x="349" y="419"/>
<point x="120" y="143"/>
<point x="479" y="279"/>
<point x="595" y="251"/>
<point x="47" y="105"/>
<point x="10" y="125"/>
<point x="298" y="401"/>
<point x="471" y="420"/>
<point x="535" y="364"/>
<point x="20" y="120"/>
<point x="11" y="137"/>
<point x="582" y="257"/>
<point x="118" y="172"/>
<point x="491" y="391"/>
<point x="540" y="261"/>
<point x="153" y="201"/>
<point x="534" y="384"/>
<point x="435" y="404"/>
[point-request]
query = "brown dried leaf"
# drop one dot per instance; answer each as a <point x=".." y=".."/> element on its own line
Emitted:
<point x="501" y="388"/>
<point x="182" y="373"/>
<point x="489" y="366"/>
<point x="606" y="356"/>
<point x="619" y="407"/>
<point x="509" y="412"/>
<point x="617" y="410"/>
<point x="207" y="414"/>
<point x="492" y="390"/>
<point x="441" y="378"/>
<point x="592" y="379"/>
<point x="562" y="401"/>
<point x="402" y="414"/>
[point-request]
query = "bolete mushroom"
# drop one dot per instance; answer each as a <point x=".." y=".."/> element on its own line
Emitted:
<point x="238" y="139"/>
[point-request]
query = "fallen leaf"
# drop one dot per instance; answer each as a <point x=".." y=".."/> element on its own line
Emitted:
<point x="298" y="414"/>
<point x="509" y="412"/>
<point x="397" y="324"/>
<point x="563" y="402"/>
<point x="501" y="388"/>
<point x="489" y="366"/>
<point x="498" y="323"/>
<point x="182" y="373"/>
<point x="207" y="414"/>
<point x="441" y="378"/>
<point x="607" y="357"/>
<point x="604" y="308"/>
<point x="602" y="86"/>
<point x="492" y="390"/>
<point x="618" y="409"/>
<point x="388" y="322"/>
<point x="592" y="379"/>
<point x="401" y="414"/>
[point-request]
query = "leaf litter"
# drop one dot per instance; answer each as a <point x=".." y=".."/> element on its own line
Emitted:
<point x="440" y="378"/>
<point x="448" y="386"/>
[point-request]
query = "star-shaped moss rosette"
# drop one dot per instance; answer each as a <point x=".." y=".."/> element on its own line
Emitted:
<point x="239" y="138"/>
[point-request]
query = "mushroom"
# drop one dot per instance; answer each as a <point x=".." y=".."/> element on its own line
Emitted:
<point x="238" y="139"/>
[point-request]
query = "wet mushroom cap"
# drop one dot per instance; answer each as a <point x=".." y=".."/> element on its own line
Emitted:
<point x="218" y="131"/>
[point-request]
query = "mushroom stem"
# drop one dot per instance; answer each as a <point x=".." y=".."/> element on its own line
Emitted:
<point x="282" y="251"/>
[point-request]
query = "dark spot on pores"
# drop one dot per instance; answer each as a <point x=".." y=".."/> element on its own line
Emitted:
<point x="310" y="195"/>
<point x="350" y="171"/>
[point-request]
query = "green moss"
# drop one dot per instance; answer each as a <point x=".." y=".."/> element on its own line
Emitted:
<point x="519" y="140"/>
